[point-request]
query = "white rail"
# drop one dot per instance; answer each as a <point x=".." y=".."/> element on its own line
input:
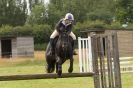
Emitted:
<point x="85" y="54"/>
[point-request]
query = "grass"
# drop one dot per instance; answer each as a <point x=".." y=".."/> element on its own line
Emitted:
<point x="31" y="67"/>
<point x="37" y="65"/>
<point x="50" y="83"/>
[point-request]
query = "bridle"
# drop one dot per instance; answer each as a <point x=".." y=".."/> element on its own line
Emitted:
<point x="64" y="41"/>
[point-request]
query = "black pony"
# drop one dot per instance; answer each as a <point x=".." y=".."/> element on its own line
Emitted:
<point x="63" y="51"/>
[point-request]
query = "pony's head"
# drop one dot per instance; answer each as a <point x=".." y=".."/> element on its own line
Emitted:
<point x="64" y="39"/>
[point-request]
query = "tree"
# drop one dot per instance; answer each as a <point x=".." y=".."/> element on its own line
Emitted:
<point x="103" y="10"/>
<point x="32" y="3"/>
<point x="13" y="12"/>
<point x="124" y="11"/>
<point x="38" y="15"/>
<point x="58" y="8"/>
<point x="82" y="10"/>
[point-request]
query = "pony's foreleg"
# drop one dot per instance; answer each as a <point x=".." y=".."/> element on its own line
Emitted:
<point x="59" y="66"/>
<point x="70" y="70"/>
<point x="56" y="67"/>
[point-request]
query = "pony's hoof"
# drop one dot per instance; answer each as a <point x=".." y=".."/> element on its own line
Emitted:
<point x="59" y="73"/>
<point x="70" y="70"/>
<point x="47" y="69"/>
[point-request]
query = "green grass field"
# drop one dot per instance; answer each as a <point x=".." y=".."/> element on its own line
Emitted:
<point x="32" y="66"/>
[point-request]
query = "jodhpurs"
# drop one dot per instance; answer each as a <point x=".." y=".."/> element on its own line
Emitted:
<point x="55" y="33"/>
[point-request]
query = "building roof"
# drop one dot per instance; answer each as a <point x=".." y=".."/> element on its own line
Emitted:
<point x="102" y="30"/>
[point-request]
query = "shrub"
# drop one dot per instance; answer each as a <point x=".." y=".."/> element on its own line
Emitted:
<point x="41" y="33"/>
<point x="25" y="30"/>
<point x="88" y="25"/>
<point x="130" y="26"/>
<point x="115" y="25"/>
<point x="6" y="30"/>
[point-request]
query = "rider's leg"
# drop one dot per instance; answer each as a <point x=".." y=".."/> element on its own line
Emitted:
<point x="74" y="40"/>
<point x="53" y="35"/>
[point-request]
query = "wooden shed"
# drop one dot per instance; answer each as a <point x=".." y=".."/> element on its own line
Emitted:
<point x="16" y="47"/>
<point x="125" y="39"/>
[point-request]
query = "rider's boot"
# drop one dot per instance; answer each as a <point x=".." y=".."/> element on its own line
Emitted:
<point x="51" y="44"/>
<point x="73" y="45"/>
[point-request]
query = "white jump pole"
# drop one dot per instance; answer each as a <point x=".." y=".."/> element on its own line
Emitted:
<point x="90" y="55"/>
<point x="84" y="66"/>
<point x="80" y="57"/>
<point x="87" y="56"/>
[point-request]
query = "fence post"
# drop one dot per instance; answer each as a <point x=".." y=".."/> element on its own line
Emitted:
<point x="109" y="62"/>
<point x="116" y="61"/>
<point x="102" y="62"/>
<point x="95" y="61"/>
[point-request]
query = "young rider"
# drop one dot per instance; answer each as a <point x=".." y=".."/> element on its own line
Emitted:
<point x="64" y="24"/>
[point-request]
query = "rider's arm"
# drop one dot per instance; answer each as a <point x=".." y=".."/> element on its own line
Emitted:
<point x="57" y="27"/>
